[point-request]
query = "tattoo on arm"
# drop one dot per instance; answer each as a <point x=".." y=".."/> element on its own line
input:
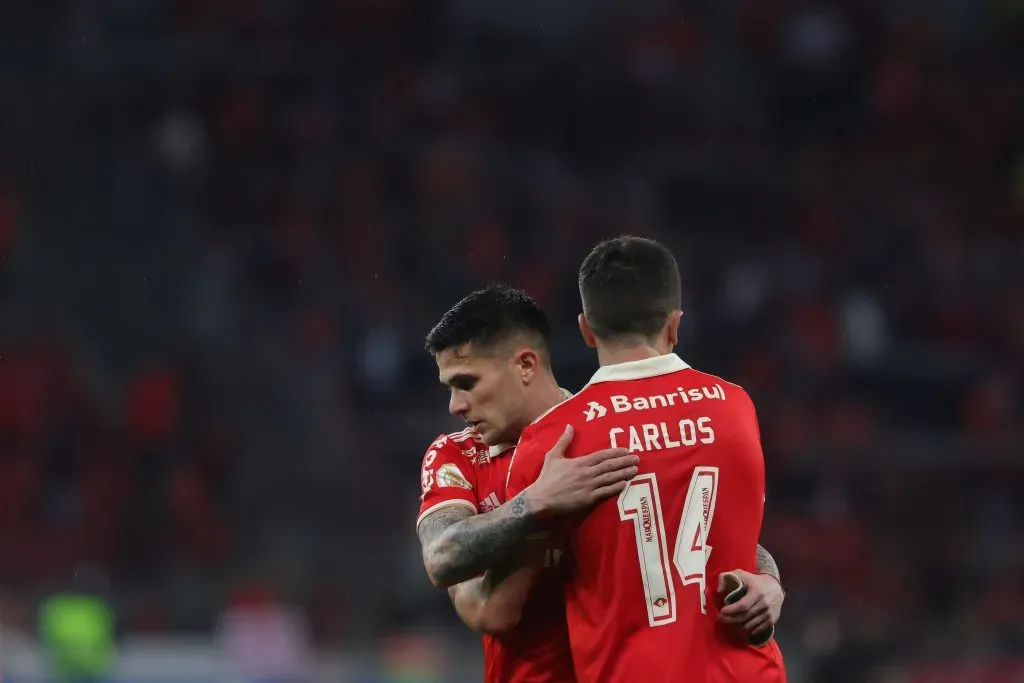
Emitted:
<point x="766" y="564"/>
<point x="458" y="545"/>
<point x="435" y="524"/>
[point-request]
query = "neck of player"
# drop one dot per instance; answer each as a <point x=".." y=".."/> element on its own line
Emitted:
<point x="546" y="397"/>
<point x="627" y="352"/>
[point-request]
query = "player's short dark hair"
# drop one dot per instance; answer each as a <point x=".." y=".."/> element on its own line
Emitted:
<point x="629" y="286"/>
<point x="490" y="317"/>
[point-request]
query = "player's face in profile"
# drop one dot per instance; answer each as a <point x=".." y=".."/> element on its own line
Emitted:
<point x="486" y="391"/>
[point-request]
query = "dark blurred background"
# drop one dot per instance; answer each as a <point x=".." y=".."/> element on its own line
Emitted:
<point x="226" y="225"/>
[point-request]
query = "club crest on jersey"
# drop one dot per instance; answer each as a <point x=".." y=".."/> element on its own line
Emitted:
<point x="594" y="410"/>
<point x="450" y="476"/>
<point x="477" y="456"/>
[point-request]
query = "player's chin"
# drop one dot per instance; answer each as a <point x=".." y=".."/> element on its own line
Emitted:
<point x="492" y="436"/>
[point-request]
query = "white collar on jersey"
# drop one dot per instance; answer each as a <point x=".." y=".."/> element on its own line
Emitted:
<point x="639" y="369"/>
<point x="496" y="450"/>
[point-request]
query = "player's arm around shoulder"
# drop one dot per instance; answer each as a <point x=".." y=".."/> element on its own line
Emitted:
<point x="484" y="603"/>
<point x="755" y="604"/>
<point x="556" y="486"/>
<point x="457" y="543"/>
<point x="528" y="458"/>
<point x="493" y="603"/>
<point x="449" y="497"/>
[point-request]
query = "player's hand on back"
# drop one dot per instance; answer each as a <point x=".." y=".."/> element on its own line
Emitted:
<point x="759" y="608"/>
<point x="568" y="485"/>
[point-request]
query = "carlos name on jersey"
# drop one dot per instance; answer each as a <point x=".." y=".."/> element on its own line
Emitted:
<point x="662" y="435"/>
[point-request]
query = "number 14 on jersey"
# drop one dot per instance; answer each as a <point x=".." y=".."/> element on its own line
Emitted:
<point x="640" y="504"/>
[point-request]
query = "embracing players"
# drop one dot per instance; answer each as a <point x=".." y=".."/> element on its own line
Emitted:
<point x="492" y="352"/>
<point x="641" y="597"/>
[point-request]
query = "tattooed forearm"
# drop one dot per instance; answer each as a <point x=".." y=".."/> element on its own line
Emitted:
<point x="766" y="564"/>
<point x="493" y="602"/>
<point x="458" y="545"/>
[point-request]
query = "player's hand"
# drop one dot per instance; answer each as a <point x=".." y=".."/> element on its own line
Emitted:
<point x="758" y="606"/>
<point x="568" y="485"/>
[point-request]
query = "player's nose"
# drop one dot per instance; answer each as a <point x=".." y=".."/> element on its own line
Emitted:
<point x="457" y="406"/>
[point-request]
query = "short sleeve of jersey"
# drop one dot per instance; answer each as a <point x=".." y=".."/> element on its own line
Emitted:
<point x="528" y="459"/>
<point x="447" y="478"/>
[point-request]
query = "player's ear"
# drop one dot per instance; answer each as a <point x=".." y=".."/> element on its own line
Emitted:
<point x="588" y="334"/>
<point x="672" y="328"/>
<point x="528" y="364"/>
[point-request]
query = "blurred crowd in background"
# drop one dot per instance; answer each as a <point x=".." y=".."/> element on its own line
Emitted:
<point x="226" y="226"/>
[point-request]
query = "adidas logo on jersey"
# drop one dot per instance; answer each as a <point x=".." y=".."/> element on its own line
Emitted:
<point x="490" y="502"/>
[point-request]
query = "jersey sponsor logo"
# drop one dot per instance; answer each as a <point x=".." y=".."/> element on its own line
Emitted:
<point x="490" y="502"/>
<point x="594" y="410"/>
<point x="620" y="403"/>
<point x="450" y="476"/>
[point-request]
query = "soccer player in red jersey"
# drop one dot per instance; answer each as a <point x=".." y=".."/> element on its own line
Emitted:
<point x="491" y="350"/>
<point x="641" y="599"/>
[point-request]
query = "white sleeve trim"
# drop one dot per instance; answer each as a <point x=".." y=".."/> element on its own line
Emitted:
<point x="443" y="504"/>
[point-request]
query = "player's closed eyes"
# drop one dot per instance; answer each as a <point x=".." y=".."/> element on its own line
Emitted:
<point x="463" y="383"/>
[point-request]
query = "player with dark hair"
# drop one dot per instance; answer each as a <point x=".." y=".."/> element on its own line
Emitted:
<point x="491" y="350"/>
<point x="640" y="600"/>
<point x="503" y="330"/>
<point x="492" y="353"/>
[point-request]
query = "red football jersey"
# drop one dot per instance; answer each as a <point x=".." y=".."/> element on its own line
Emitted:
<point x="459" y="469"/>
<point x="640" y="601"/>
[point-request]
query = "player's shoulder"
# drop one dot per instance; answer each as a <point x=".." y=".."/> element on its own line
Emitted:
<point x="554" y="410"/>
<point x="571" y="411"/>
<point x="452" y="459"/>
<point x="465" y="438"/>
<point x="724" y="385"/>
<point x="465" y="444"/>
<point x="461" y="440"/>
